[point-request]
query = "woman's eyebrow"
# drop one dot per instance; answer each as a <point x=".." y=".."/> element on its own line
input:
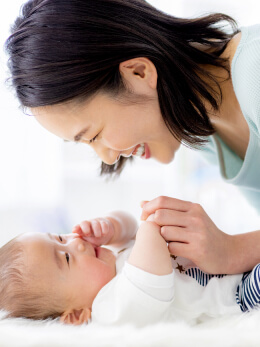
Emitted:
<point x="78" y="137"/>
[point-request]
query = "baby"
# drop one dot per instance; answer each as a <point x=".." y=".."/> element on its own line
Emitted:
<point x="77" y="278"/>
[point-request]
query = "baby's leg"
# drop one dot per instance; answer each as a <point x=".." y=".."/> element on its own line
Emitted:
<point x="248" y="291"/>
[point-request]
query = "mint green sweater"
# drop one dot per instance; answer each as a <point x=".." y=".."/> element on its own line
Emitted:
<point x="245" y="73"/>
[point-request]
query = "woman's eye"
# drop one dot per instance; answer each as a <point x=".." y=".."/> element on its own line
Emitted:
<point x="67" y="257"/>
<point x="61" y="239"/>
<point x="94" y="138"/>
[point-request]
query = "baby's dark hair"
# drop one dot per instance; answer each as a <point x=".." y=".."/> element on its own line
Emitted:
<point x="70" y="50"/>
<point x="19" y="294"/>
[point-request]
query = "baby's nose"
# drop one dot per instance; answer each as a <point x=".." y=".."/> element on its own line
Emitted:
<point x="81" y="247"/>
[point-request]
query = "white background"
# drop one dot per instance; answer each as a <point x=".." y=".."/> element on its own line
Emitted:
<point x="48" y="185"/>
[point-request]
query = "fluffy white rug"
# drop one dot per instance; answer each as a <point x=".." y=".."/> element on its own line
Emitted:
<point x="241" y="330"/>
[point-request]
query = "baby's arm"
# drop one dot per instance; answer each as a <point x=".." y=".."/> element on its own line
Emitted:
<point x="150" y="252"/>
<point x="115" y="229"/>
<point x="125" y="227"/>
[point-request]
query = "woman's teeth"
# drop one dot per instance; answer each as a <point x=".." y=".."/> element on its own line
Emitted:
<point x="139" y="152"/>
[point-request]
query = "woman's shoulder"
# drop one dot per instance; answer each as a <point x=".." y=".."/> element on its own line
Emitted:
<point x="244" y="48"/>
<point x="233" y="47"/>
<point x="245" y="70"/>
<point x="245" y="40"/>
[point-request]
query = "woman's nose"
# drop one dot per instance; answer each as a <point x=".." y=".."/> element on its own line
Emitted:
<point x="107" y="155"/>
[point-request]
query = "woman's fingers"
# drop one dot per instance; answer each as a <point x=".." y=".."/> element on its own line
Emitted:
<point x="179" y="249"/>
<point x="143" y="202"/>
<point x="171" y="217"/>
<point x="175" y="234"/>
<point x="190" y="233"/>
<point x="164" y="202"/>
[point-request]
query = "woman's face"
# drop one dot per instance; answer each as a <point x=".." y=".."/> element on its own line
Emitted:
<point x="112" y="128"/>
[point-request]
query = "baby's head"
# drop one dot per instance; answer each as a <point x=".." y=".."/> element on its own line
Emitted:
<point x="49" y="275"/>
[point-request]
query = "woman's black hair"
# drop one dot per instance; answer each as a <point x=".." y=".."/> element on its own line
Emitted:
<point x="62" y="50"/>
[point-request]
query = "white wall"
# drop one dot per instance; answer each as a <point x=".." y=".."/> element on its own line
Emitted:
<point x="46" y="184"/>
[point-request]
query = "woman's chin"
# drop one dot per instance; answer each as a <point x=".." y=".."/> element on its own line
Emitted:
<point x="165" y="160"/>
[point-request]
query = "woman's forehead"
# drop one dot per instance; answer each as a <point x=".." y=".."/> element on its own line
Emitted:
<point x="58" y="119"/>
<point x="53" y="109"/>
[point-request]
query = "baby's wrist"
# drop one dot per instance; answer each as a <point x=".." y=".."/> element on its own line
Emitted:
<point x="150" y="227"/>
<point x="112" y="235"/>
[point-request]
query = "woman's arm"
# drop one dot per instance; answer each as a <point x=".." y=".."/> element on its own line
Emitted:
<point x="192" y="234"/>
<point x="150" y="252"/>
<point x="244" y="252"/>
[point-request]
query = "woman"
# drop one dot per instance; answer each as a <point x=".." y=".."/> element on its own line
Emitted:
<point x="130" y="80"/>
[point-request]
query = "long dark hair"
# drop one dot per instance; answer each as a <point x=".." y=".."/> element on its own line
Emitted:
<point x="64" y="50"/>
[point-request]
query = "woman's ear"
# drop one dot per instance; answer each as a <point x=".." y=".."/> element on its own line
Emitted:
<point x="140" y="74"/>
<point x="76" y="317"/>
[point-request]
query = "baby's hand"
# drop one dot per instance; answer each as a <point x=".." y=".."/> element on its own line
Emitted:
<point x="98" y="231"/>
<point x="150" y="218"/>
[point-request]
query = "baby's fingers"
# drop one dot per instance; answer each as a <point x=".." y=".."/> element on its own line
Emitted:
<point x="96" y="228"/>
<point x="77" y="229"/>
<point x="85" y="227"/>
<point x="105" y="227"/>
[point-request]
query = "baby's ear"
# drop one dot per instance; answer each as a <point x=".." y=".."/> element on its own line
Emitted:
<point x="76" y="317"/>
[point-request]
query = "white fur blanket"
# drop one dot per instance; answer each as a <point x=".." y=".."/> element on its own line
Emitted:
<point x="241" y="330"/>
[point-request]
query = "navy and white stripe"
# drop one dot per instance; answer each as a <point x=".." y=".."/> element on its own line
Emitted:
<point x="201" y="277"/>
<point x="248" y="291"/>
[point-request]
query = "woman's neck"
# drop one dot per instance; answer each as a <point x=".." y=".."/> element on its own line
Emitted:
<point x="229" y="121"/>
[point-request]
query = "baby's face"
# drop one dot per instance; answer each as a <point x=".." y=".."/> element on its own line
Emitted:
<point x="73" y="267"/>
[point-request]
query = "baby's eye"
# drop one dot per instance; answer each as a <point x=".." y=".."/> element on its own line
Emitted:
<point x="67" y="258"/>
<point x="61" y="239"/>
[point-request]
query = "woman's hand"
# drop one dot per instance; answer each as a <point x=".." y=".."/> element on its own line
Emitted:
<point x="98" y="231"/>
<point x="190" y="233"/>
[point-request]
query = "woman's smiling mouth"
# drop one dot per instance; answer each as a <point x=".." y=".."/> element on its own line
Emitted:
<point x="140" y="150"/>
